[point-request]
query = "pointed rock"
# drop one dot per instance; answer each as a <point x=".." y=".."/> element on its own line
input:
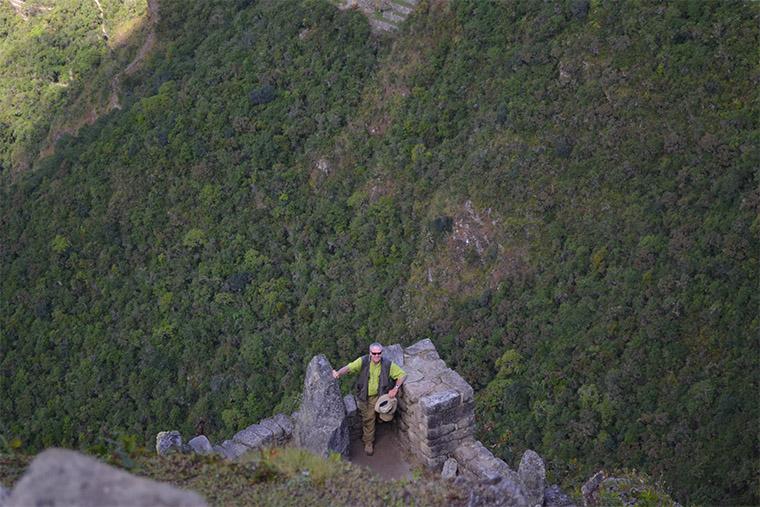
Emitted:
<point x="532" y="473"/>
<point x="321" y="425"/>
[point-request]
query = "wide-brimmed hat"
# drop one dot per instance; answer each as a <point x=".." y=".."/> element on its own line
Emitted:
<point x="386" y="407"/>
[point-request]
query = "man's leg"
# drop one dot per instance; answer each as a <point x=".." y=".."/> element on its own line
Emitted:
<point x="368" y="424"/>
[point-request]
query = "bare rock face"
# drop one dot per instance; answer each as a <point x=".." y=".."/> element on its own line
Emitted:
<point x="321" y="425"/>
<point x="168" y="442"/>
<point x="59" y="477"/>
<point x="532" y="474"/>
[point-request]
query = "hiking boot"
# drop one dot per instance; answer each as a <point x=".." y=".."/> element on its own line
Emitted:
<point x="369" y="449"/>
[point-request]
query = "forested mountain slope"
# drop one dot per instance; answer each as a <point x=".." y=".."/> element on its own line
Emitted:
<point x="564" y="197"/>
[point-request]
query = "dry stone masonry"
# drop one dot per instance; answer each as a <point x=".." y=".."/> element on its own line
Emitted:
<point x="383" y="15"/>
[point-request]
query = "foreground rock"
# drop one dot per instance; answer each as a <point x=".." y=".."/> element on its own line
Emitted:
<point x="59" y="477"/>
<point x="320" y="424"/>
<point x="4" y="493"/>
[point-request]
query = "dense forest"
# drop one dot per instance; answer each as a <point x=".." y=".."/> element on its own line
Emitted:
<point x="562" y="195"/>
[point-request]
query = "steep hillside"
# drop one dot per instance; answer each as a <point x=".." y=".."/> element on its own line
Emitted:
<point x="564" y="197"/>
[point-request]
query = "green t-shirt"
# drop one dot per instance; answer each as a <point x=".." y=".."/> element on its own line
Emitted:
<point x="374" y="373"/>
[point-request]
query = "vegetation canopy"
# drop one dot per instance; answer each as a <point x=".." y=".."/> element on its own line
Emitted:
<point x="563" y="196"/>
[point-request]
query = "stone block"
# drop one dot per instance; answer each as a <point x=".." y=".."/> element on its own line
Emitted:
<point x="350" y="403"/>
<point x="421" y="347"/>
<point x="449" y="471"/>
<point x="429" y="368"/>
<point x="413" y="391"/>
<point x="201" y="445"/>
<point x="233" y="450"/>
<point x="437" y="449"/>
<point x="168" y="442"/>
<point x="453" y="415"/>
<point x="254" y="436"/>
<point x="455" y="381"/>
<point x="439" y="401"/>
<point x="441" y="431"/>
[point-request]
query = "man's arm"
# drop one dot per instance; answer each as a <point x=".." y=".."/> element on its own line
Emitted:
<point x="352" y="367"/>
<point x="399" y="376"/>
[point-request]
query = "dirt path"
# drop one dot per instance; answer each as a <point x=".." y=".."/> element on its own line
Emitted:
<point x="388" y="460"/>
<point x="134" y="65"/>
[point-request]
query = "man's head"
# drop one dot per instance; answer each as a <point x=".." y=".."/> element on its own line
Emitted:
<point x="375" y="352"/>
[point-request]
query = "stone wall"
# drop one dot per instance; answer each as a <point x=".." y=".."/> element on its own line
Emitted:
<point x="436" y="407"/>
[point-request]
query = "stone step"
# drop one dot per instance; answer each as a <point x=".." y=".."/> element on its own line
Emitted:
<point x="393" y="17"/>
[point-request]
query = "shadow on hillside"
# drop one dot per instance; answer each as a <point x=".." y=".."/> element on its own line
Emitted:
<point x="82" y="100"/>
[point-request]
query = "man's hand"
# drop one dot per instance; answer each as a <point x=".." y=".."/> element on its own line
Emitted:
<point x="393" y="392"/>
<point x="336" y="375"/>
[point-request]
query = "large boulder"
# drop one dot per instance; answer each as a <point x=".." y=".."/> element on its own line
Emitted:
<point x="59" y="477"/>
<point x="532" y="474"/>
<point x="321" y="425"/>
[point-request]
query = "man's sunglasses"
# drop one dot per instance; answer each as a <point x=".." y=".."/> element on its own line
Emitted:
<point x="376" y="353"/>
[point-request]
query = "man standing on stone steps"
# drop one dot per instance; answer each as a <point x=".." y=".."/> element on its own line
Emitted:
<point x="376" y="378"/>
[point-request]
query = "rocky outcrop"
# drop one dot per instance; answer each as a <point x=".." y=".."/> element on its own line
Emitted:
<point x="321" y="425"/>
<point x="532" y="473"/>
<point x="168" y="442"/>
<point x="59" y="477"/>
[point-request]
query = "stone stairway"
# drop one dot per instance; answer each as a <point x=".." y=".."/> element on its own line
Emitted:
<point x="383" y="15"/>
